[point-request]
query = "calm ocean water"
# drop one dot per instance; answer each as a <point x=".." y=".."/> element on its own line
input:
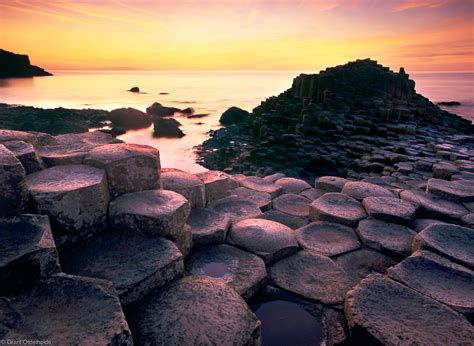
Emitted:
<point x="209" y="92"/>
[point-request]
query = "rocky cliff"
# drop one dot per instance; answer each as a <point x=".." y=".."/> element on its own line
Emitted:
<point x="18" y="65"/>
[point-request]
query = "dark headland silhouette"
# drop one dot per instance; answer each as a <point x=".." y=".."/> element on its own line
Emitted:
<point x="18" y="65"/>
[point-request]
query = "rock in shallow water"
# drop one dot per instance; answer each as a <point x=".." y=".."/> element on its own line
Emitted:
<point x="241" y="270"/>
<point x="194" y="310"/>
<point x="381" y="311"/>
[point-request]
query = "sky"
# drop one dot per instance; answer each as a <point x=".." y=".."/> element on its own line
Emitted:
<point x="420" y="35"/>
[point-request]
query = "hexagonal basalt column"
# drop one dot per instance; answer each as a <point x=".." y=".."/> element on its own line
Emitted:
<point x="129" y="167"/>
<point x="75" y="197"/>
<point x="27" y="251"/>
<point x="337" y="207"/>
<point x="186" y="184"/>
<point x="13" y="191"/>
<point x="66" y="309"/>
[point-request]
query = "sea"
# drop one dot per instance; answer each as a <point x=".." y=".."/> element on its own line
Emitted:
<point x="208" y="92"/>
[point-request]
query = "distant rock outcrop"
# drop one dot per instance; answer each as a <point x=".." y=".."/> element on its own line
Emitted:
<point x="18" y="65"/>
<point x="234" y="115"/>
<point x="134" y="89"/>
<point x="449" y="103"/>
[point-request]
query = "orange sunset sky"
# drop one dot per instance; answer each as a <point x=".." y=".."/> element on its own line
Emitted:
<point x="421" y="35"/>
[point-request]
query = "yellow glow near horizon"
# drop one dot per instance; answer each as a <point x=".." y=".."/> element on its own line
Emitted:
<point x="421" y="35"/>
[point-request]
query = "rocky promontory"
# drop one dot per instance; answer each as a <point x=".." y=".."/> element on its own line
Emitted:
<point x="326" y="121"/>
<point x="18" y="65"/>
<point x="161" y="256"/>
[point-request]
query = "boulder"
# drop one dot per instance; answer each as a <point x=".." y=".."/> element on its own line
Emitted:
<point x="236" y="208"/>
<point x="262" y="199"/>
<point x="360" y="190"/>
<point x="291" y="221"/>
<point x="134" y="89"/>
<point x="239" y="269"/>
<point x="66" y="309"/>
<point x="129" y="167"/>
<point x="337" y="207"/>
<point x="34" y="138"/>
<point x="129" y="118"/>
<point x="216" y="183"/>
<point x="186" y="184"/>
<point x="327" y="238"/>
<point x="261" y="185"/>
<point x="75" y="197"/>
<point x="330" y="184"/>
<point x="312" y="276"/>
<point x="167" y="127"/>
<point x="435" y="277"/>
<point x="452" y="241"/>
<point x="269" y="239"/>
<point x="13" y="192"/>
<point x="208" y="226"/>
<point x="27" y="251"/>
<point x="157" y="109"/>
<point x="235" y="115"/>
<point x="385" y="236"/>
<point x="389" y="209"/>
<point x="292" y="185"/>
<point x="378" y="309"/>
<point x="25" y="152"/>
<point x="158" y="212"/>
<point x="134" y="263"/>
<point x="194" y="310"/>
<point x="458" y="191"/>
<point x="292" y="204"/>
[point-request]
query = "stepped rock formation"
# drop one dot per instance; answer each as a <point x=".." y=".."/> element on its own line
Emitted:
<point x="325" y="121"/>
<point x="18" y="65"/>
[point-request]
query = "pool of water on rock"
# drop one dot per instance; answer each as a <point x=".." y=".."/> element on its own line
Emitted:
<point x="287" y="323"/>
<point x="215" y="269"/>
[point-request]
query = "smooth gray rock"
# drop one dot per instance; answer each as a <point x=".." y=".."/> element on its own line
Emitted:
<point x="241" y="270"/>
<point x="360" y="190"/>
<point x="452" y="241"/>
<point x="194" y="310"/>
<point x="208" y="226"/>
<point x="236" y="208"/>
<point x="430" y="206"/>
<point x="312" y="276"/>
<point x="431" y="277"/>
<point x="27" y="251"/>
<point x="390" y="209"/>
<point x="129" y="167"/>
<point x="330" y="184"/>
<point x="327" y="238"/>
<point x="259" y="184"/>
<point x="293" y="222"/>
<point x="292" y="204"/>
<point x="337" y="207"/>
<point x="75" y="197"/>
<point x="158" y="212"/>
<point x="134" y="263"/>
<point x="268" y="239"/>
<point x="377" y="311"/>
<point x="360" y="263"/>
<point x="186" y="184"/>
<point x="458" y="191"/>
<point x="65" y="310"/>
<point x="217" y="185"/>
<point x="262" y="199"/>
<point x="385" y="236"/>
<point x="13" y="192"/>
<point x="292" y="185"/>
<point x="25" y="152"/>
